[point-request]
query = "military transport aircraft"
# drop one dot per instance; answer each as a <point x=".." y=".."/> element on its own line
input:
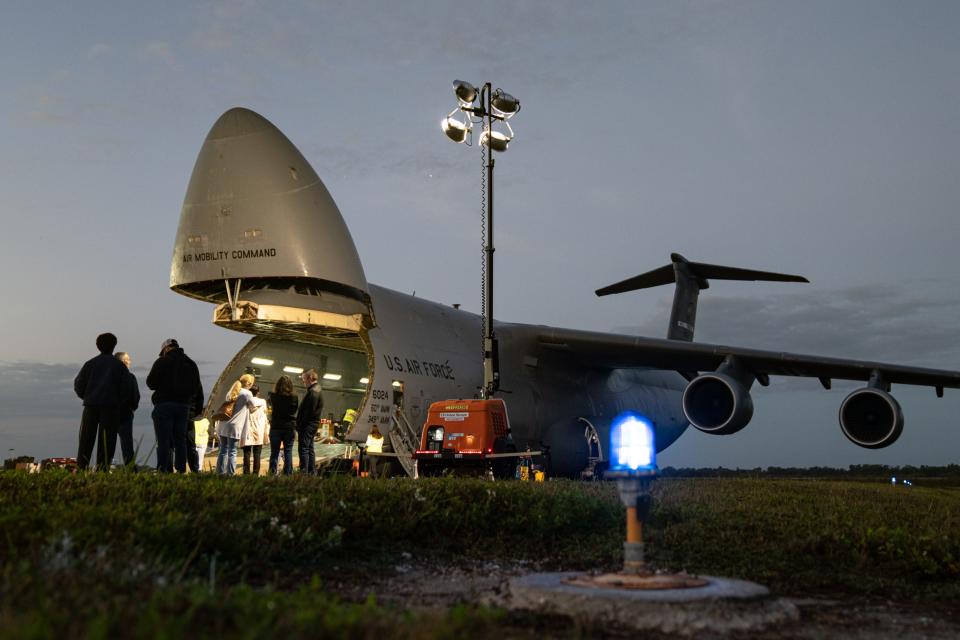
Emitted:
<point x="261" y="237"/>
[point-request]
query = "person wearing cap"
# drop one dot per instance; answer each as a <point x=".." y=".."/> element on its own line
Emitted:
<point x="177" y="396"/>
<point x="100" y="385"/>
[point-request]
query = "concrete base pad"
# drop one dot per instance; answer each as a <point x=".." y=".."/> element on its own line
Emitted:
<point x="722" y="605"/>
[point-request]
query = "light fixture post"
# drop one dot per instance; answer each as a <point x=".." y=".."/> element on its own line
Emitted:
<point x="491" y="375"/>
<point x="635" y="496"/>
<point x="633" y="463"/>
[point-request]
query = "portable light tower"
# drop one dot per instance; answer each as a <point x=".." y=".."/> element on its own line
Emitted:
<point x="489" y="107"/>
<point x="475" y="433"/>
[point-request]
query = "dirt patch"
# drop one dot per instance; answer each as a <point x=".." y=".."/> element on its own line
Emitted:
<point x="410" y="583"/>
<point x="857" y="619"/>
<point x="416" y="584"/>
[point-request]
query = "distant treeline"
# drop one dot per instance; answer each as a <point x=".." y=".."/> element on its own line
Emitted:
<point x="853" y="471"/>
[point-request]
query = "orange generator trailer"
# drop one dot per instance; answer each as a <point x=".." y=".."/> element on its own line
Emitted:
<point x="469" y="436"/>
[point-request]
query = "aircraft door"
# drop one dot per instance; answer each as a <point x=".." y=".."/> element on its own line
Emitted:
<point x="398" y="395"/>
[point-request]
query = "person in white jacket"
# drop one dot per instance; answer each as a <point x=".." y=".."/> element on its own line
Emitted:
<point x="255" y="436"/>
<point x="229" y="431"/>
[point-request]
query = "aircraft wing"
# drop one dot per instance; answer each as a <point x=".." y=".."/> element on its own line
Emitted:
<point x="622" y="351"/>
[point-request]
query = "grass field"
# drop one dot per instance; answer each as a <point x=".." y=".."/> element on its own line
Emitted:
<point x="149" y="556"/>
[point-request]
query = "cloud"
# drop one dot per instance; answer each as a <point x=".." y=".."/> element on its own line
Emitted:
<point x="41" y="413"/>
<point x="48" y="105"/>
<point x="560" y="40"/>
<point x="160" y="51"/>
<point x="37" y="389"/>
<point x="255" y="29"/>
<point x="99" y="50"/>
<point x="34" y="388"/>
<point x="913" y="325"/>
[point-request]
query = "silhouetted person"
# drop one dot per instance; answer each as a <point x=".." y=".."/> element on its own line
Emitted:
<point x="177" y="395"/>
<point x="283" y="424"/>
<point x="308" y="421"/>
<point x="130" y="393"/>
<point x="99" y="385"/>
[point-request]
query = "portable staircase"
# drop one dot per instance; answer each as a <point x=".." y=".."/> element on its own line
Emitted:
<point x="405" y="440"/>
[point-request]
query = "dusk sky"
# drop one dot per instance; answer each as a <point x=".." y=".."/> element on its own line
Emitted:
<point x="816" y="138"/>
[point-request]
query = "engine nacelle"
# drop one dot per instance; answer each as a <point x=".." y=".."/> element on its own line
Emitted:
<point x="717" y="403"/>
<point x="871" y="418"/>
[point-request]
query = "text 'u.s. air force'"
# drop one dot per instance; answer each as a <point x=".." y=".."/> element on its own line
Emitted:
<point x="420" y="367"/>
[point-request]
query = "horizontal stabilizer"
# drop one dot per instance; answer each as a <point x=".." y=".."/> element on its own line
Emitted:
<point x="691" y="279"/>
<point x="701" y="271"/>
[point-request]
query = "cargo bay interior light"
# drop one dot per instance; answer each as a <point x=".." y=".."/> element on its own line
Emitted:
<point x="265" y="362"/>
<point x="332" y="376"/>
<point x="292" y="369"/>
<point x="364" y="380"/>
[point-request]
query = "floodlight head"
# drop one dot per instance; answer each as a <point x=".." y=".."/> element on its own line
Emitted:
<point x="466" y="93"/>
<point x="456" y="130"/>
<point x="495" y="140"/>
<point x="503" y="104"/>
<point x="632" y="450"/>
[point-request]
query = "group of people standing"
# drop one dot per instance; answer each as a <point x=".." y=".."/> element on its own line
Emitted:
<point x="242" y="422"/>
<point x="111" y="395"/>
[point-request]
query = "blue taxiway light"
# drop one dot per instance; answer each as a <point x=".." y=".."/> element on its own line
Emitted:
<point x="632" y="447"/>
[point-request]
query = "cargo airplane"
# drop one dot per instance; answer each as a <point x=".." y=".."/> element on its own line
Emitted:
<point x="261" y="238"/>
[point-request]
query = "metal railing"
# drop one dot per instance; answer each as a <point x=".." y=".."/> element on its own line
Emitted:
<point x="404" y="440"/>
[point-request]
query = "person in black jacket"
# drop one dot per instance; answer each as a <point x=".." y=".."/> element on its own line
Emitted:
<point x="177" y="395"/>
<point x="283" y="424"/>
<point x="99" y="385"/>
<point x="308" y="421"/>
<point x="131" y="400"/>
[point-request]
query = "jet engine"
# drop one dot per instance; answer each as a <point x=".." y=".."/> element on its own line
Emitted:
<point x="871" y="418"/>
<point x="718" y="403"/>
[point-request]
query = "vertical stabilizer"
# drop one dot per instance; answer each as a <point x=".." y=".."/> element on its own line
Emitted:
<point x="683" y="314"/>
<point x="690" y="279"/>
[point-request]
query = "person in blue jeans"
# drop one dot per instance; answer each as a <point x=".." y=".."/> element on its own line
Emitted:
<point x="177" y="394"/>
<point x="308" y="420"/>
<point x="283" y="424"/>
<point x="232" y="430"/>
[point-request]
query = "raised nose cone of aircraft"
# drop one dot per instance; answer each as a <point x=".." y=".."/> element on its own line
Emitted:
<point x="256" y="211"/>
